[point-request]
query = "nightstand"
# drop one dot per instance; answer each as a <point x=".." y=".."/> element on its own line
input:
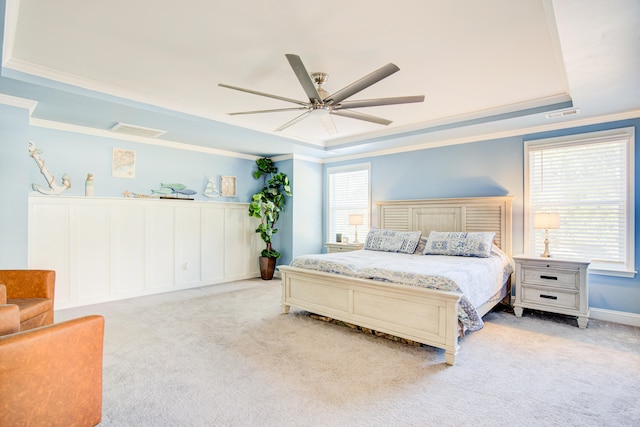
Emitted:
<point x="343" y="247"/>
<point x="552" y="284"/>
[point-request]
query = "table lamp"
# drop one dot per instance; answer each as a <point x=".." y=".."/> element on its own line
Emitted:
<point x="546" y="221"/>
<point x="356" y="219"/>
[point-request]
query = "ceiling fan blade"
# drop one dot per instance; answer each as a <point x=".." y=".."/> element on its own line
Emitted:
<point x="268" y="95"/>
<point x="362" y="116"/>
<point x="304" y="78"/>
<point x="267" y="111"/>
<point x="329" y="124"/>
<point x="361" y="84"/>
<point x="379" y="101"/>
<point x="294" y="121"/>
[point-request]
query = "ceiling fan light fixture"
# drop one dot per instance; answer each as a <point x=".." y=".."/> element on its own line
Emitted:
<point x="322" y="103"/>
<point x="319" y="79"/>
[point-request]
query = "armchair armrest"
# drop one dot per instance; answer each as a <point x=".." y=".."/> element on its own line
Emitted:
<point x="29" y="283"/>
<point x="3" y="294"/>
<point x="9" y="319"/>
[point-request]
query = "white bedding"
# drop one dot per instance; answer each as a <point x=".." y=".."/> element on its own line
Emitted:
<point x="478" y="279"/>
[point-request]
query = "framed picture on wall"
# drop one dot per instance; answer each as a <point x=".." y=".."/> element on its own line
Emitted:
<point x="123" y="164"/>
<point x="228" y="186"/>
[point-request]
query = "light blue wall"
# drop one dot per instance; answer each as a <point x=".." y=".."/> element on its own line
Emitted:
<point x="14" y="131"/>
<point x="492" y="168"/>
<point x="79" y="154"/>
<point x="283" y="240"/>
<point x="488" y="168"/>
<point x="307" y="208"/>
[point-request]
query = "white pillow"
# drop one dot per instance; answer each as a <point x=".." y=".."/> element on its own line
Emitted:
<point x="460" y="243"/>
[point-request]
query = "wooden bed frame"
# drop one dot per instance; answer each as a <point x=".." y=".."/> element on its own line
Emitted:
<point x="424" y="315"/>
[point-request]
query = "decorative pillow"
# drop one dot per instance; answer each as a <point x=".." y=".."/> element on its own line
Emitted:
<point x="392" y="241"/>
<point x="476" y="244"/>
<point x="420" y="247"/>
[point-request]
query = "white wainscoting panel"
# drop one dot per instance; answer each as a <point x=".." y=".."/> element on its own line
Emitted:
<point x="105" y="249"/>
<point x="213" y="250"/>
<point x="128" y="249"/>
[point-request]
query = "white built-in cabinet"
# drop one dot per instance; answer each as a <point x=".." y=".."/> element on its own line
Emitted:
<point x="104" y="249"/>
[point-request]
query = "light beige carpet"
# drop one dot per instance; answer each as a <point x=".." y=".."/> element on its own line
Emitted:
<point x="224" y="355"/>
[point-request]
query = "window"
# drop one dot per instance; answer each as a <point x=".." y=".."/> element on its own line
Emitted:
<point x="348" y="192"/>
<point x="588" y="181"/>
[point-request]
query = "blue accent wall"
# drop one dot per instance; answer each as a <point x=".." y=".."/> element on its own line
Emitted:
<point x="14" y="131"/>
<point x="487" y="168"/>
<point x="307" y="205"/>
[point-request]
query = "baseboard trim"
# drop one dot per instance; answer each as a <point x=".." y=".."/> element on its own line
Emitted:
<point x="622" y="317"/>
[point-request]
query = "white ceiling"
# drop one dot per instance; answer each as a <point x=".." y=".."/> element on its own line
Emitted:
<point x="489" y="61"/>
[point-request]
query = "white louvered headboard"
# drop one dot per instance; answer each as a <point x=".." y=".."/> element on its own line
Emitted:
<point x="459" y="214"/>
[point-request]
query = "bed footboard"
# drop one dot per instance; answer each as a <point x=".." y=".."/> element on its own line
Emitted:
<point x="419" y="314"/>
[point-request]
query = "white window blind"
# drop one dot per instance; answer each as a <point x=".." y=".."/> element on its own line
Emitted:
<point x="347" y="193"/>
<point x="587" y="180"/>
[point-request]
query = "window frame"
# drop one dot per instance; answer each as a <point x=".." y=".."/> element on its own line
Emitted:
<point x="342" y="169"/>
<point x="627" y="133"/>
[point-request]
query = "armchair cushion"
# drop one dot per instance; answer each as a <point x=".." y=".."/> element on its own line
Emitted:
<point x="34" y="312"/>
<point x="53" y="374"/>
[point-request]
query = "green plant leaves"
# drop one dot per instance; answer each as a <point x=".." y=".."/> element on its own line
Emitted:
<point x="269" y="201"/>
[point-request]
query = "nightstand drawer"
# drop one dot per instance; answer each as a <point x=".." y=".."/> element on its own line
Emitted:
<point x="550" y="297"/>
<point x="550" y="277"/>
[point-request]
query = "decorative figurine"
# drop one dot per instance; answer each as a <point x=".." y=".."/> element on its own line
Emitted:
<point x="173" y="191"/>
<point x="88" y="186"/>
<point x="54" y="187"/>
<point x="211" y="190"/>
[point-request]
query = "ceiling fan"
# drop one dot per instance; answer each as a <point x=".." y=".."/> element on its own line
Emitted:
<point x="324" y="104"/>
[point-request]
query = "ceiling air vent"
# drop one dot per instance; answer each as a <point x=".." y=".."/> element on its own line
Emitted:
<point x="137" y="130"/>
<point x="563" y="113"/>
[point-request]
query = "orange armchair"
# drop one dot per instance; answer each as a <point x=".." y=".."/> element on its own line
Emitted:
<point x="32" y="291"/>
<point x="51" y="375"/>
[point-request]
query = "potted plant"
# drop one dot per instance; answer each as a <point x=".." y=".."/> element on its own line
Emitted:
<point x="266" y="205"/>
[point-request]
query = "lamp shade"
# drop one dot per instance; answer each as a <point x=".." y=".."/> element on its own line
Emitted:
<point x="356" y="219"/>
<point x="546" y="221"/>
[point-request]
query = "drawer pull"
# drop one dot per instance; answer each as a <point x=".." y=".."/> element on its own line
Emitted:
<point x="548" y="296"/>
<point x="549" y="277"/>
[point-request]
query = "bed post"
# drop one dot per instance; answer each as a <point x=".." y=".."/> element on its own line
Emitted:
<point x="285" y="307"/>
<point x="452" y="324"/>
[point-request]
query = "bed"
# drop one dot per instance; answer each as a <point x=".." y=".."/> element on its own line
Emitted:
<point x="421" y="314"/>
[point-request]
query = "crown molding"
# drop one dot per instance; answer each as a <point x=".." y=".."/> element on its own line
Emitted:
<point x="14" y="101"/>
<point x="633" y="114"/>
<point x="66" y="127"/>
